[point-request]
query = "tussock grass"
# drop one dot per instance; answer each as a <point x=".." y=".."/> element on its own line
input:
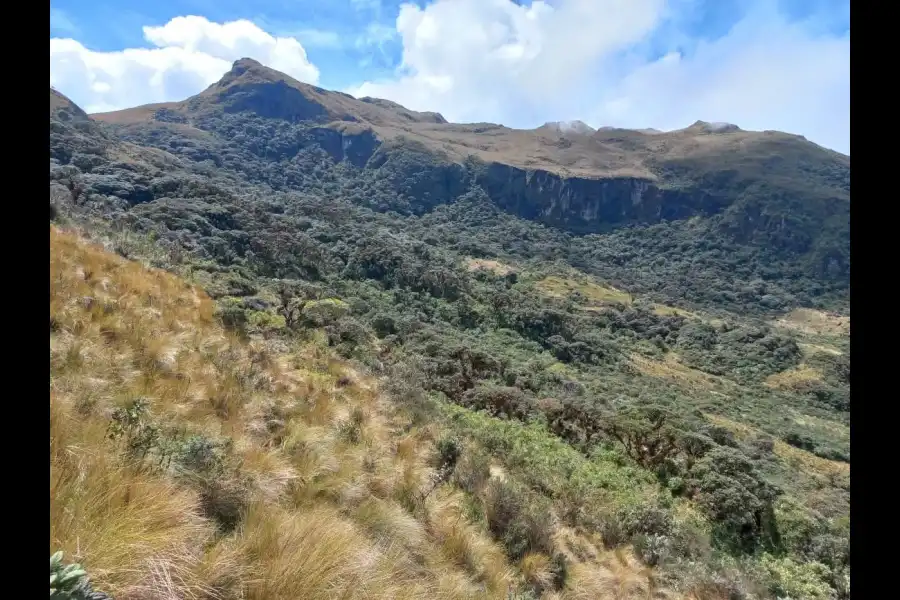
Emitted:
<point x="592" y="293"/>
<point x="134" y="531"/>
<point x="318" y="495"/>
<point x="308" y="482"/>
<point x="815" y="322"/>
<point x="618" y="575"/>
<point x="798" y="379"/>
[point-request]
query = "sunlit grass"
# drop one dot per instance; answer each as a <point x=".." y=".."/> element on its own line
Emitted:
<point x="317" y="465"/>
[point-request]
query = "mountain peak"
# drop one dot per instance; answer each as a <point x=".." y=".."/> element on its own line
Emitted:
<point x="60" y="103"/>
<point x="715" y="127"/>
<point x="247" y="71"/>
<point x="245" y="63"/>
<point x="563" y="127"/>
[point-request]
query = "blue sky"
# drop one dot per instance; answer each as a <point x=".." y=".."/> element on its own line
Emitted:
<point x="764" y="64"/>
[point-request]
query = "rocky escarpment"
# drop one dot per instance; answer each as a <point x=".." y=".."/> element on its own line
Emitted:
<point x="583" y="205"/>
<point x="351" y="144"/>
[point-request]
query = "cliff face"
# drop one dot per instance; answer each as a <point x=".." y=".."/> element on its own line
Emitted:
<point x="355" y="146"/>
<point x="584" y="205"/>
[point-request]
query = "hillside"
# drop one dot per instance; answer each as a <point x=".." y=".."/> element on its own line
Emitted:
<point x="645" y="335"/>
<point x="187" y="462"/>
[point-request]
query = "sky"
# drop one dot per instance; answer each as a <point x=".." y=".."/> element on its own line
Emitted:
<point x="759" y="64"/>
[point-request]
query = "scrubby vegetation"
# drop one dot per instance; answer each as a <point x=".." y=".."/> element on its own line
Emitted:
<point x="390" y="386"/>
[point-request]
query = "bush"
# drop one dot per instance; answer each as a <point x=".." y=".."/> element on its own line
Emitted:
<point x="449" y="450"/>
<point x="727" y="486"/>
<point x="791" y="579"/>
<point x="647" y="526"/>
<point x="233" y="318"/>
<point x="265" y="320"/>
<point x="325" y="312"/>
<point x="473" y="471"/>
<point x="518" y="519"/>
<point x="503" y="402"/>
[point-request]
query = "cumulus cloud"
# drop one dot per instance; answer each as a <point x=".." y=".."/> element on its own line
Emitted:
<point x="484" y="59"/>
<point x="495" y="60"/>
<point x="625" y="63"/>
<point x="190" y="53"/>
<point x="765" y="74"/>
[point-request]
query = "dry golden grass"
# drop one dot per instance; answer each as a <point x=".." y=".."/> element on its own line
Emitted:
<point x="615" y="575"/>
<point x="811" y="349"/>
<point x="320" y="473"/>
<point x="664" y="310"/>
<point x="798" y="379"/>
<point x="499" y="268"/>
<point x="594" y="294"/>
<point x="815" y="322"/>
<point x="796" y="457"/>
<point x="671" y="369"/>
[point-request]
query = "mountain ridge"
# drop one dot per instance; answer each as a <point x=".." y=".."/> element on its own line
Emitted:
<point x="300" y="101"/>
<point x="761" y="187"/>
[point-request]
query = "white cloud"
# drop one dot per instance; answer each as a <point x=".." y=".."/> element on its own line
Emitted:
<point x="190" y="54"/>
<point x="493" y="60"/>
<point x="765" y="74"/>
<point x="375" y="34"/>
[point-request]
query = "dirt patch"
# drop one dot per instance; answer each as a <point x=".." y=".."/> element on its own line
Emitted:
<point x="475" y="264"/>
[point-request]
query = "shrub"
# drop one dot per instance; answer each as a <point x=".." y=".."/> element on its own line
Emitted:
<point x="233" y="317"/>
<point x="518" y="519"/>
<point x="473" y="471"/>
<point x="449" y="450"/>
<point x="727" y="486"/>
<point x="265" y="320"/>
<point x="324" y="312"/>
<point x="791" y="579"/>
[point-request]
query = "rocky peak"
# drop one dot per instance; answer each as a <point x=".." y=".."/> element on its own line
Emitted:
<point x="570" y="127"/>
<point x="714" y="127"/>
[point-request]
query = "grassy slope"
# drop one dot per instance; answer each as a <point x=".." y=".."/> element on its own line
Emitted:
<point x="322" y="513"/>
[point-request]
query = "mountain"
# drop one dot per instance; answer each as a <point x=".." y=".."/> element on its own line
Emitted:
<point x="632" y="345"/>
<point x="768" y="187"/>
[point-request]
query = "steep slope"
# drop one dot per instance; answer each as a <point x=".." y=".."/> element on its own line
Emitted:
<point x="188" y="462"/>
<point x="72" y="131"/>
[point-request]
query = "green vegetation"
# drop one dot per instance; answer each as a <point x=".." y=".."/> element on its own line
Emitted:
<point x="676" y="388"/>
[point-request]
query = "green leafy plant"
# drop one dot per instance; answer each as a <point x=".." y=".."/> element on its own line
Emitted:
<point x="70" y="582"/>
